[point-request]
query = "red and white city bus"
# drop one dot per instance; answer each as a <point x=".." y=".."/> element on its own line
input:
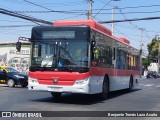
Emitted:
<point x="81" y="57"/>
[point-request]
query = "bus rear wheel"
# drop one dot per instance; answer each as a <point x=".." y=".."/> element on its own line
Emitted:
<point x="105" y="89"/>
<point x="130" y="84"/>
<point x="56" y="95"/>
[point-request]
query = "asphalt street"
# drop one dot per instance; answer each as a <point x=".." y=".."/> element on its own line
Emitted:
<point x="144" y="98"/>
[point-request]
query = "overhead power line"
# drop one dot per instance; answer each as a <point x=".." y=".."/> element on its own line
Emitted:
<point x="9" y="26"/>
<point x="82" y="12"/>
<point x="126" y="20"/>
<point x="58" y="4"/>
<point x="128" y="27"/>
<point x="36" y="5"/>
<point x="51" y="9"/>
<point x="102" y="8"/>
<point x="132" y="7"/>
<point x="14" y="14"/>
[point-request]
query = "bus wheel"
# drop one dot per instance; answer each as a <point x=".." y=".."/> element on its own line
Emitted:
<point x="11" y="83"/>
<point x="130" y="84"/>
<point x="105" y="89"/>
<point x="56" y="95"/>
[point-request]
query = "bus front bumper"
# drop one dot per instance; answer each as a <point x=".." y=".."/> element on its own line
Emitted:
<point x="84" y="89"/>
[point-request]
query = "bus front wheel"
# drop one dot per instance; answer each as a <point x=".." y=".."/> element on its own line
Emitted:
<point x="105" y="89"/>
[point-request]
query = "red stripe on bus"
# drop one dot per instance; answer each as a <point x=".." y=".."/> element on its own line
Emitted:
<point x="68" y="78"/>
<point x="64" y="78"/>
<point x="95" y="71"/>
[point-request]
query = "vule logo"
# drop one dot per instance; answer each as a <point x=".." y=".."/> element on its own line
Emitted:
<point x="55" y="80"/>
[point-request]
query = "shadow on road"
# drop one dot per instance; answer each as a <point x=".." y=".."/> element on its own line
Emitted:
<point x="81" y="99"/>
<point x="16" y="86"/>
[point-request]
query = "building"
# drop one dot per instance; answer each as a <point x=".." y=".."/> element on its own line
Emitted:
<point x="11" y="58"/>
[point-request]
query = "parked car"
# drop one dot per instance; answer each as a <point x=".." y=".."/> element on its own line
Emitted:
<point x="12" y="77"/>
<point x="152" y="74"/>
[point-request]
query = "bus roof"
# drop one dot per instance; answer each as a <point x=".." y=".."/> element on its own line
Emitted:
<point x="94" y="25"/>
<point x="124" y="40"/>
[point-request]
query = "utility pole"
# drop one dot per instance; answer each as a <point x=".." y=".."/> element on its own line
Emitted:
<point x="141" y="44"/>
<point x="113" y="9"/>
<point x="159" y="56"/>
<point x="90" y="11"/>
<point x="89" y="14"/>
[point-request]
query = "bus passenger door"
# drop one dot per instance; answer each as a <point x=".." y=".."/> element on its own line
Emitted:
<point x="96" y="78"/>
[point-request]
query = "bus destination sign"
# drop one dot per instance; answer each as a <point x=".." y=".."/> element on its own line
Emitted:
<point x="58" y="34"/>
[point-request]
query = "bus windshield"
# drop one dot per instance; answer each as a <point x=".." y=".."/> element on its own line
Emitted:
<point x="60" y="53"/>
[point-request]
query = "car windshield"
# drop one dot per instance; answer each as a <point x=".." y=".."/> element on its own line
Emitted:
<point x="11" y="70"/>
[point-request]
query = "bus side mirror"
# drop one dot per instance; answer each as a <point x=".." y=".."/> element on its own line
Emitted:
<point x="18" y="46"/>
<point x="93" y="43"/>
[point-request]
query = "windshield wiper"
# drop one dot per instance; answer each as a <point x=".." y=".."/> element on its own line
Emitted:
<point x="75" y="67"/>
<point x="47" y="63"/>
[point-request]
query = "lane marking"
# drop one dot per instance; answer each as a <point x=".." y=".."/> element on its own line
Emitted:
<point x="148" y="85"/>
<point x="157" y="86"/>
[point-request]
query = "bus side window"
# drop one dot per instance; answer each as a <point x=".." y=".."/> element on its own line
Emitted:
<point x="95" y="57"/>
<point x="114" y="53"/>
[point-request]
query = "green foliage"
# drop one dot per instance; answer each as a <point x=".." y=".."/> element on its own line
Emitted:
<point x="146" y="62"/>
<point x="153" y="48"/>
<point x="153" y="54"/>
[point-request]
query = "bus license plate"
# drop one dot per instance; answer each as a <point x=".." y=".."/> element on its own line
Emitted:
<point x="55" y="89"/>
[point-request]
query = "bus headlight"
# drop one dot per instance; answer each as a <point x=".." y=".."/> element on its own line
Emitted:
<point x="32" y="80"/>
<point x="81" y="82"/>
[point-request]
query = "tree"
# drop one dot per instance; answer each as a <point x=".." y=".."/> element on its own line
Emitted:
<point x="146" y="62"/>
<point x="153" y="48"/>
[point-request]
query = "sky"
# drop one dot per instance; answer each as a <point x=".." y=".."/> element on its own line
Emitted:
<point x="11" y="28"/>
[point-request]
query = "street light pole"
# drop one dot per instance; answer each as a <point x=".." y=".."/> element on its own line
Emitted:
<point x="113" y="9"/>
<point x="141" y="44"/>
<point x="90" y="11"/>
<point x="159" y="57"/>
